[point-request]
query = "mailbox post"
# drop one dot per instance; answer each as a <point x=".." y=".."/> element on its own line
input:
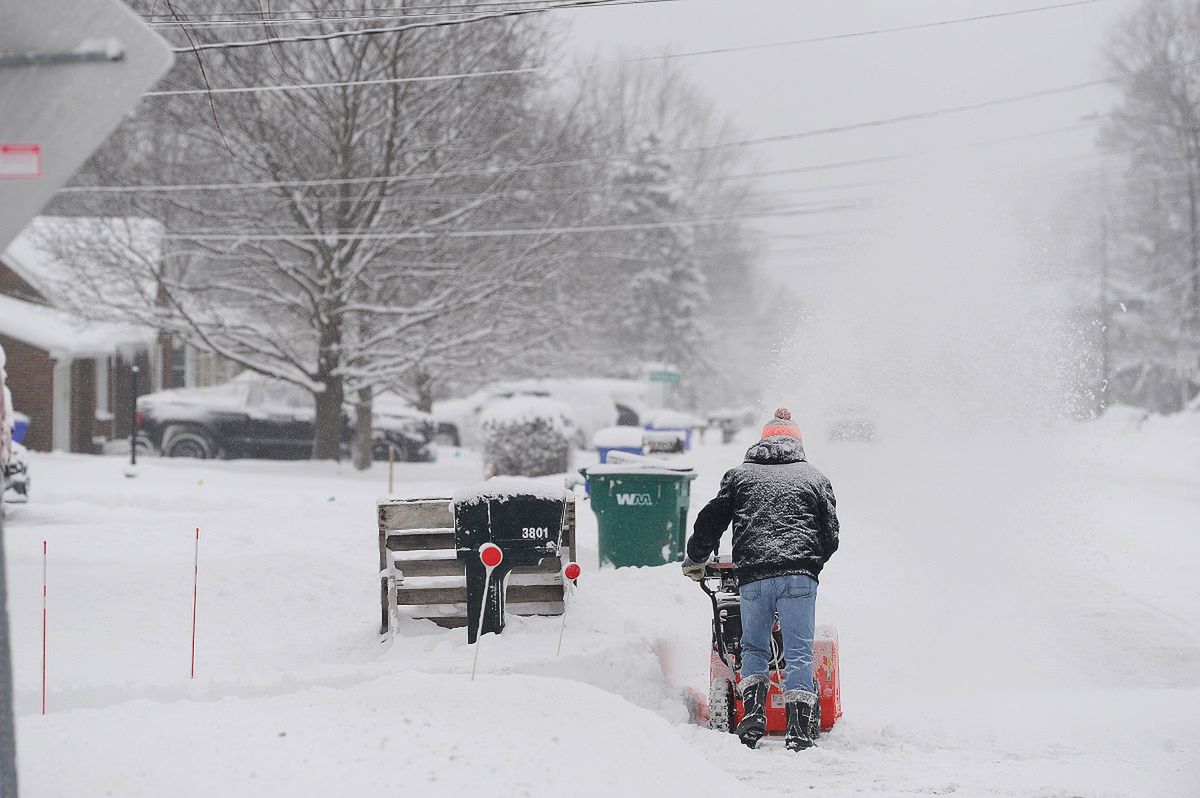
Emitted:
<point x="526" y="526"/>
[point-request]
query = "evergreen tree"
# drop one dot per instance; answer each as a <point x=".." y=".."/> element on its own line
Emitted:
<point x="663" y="317"/>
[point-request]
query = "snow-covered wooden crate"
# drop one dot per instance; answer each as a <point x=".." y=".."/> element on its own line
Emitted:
<point x="416" y="549"/>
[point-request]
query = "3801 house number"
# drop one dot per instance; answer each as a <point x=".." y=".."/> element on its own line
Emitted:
<point x="535" y="533"/>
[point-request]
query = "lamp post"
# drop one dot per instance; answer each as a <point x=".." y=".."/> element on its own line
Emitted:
<point x="133" y="380"/>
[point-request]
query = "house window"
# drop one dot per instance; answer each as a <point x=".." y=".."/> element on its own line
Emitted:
<point x="178" y="374"/>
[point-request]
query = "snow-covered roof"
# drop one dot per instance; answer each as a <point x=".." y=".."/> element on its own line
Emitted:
<point x="63" y="334"/>
<point x="504" y="488"/>
<point x="72" y="260"/>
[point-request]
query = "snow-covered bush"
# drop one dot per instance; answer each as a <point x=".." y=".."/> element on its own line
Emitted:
<point x="527" y="436"/>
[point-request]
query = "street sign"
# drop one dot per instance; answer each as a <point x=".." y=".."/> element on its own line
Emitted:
<point x="20" y="161"/>
<point x="69" y="71"/>
<point x="670" y="377"/>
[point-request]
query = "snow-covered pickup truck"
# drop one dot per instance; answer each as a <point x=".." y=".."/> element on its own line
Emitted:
<point x="258" y="417"/>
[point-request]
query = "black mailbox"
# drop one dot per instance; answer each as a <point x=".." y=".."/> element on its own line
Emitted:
<point x="527" y="528"/>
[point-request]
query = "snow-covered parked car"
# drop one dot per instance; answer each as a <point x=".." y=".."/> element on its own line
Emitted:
<point x="253" y="416"/>
<point x="597" y="403"/>
<point x="397" y="423"/>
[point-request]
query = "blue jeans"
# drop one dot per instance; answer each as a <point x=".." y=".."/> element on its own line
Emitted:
<point x="794" y="598"/>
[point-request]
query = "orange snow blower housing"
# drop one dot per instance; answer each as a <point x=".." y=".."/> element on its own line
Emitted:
<point x="724" y="701"/>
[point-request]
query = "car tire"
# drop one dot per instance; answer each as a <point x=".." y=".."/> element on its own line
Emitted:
<point x="188" y="443"/>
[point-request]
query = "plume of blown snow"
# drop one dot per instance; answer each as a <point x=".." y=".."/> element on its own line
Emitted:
<point x="937" y="326"/>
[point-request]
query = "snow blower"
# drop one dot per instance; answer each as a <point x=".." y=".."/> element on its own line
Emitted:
<point x="724" y="701"/>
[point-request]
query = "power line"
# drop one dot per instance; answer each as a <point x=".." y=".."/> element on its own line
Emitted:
<point x="515" y="231"/>
<point x="347" y="34"/>
<point x="317" y="11"/>
<point x="345" y="83"/>
<point x="898" y="29"/>
<point x="317" y="17"/>
<point x="782" y="207"/>
<point x="640" y="59"/>
<point x="491" y="172"/>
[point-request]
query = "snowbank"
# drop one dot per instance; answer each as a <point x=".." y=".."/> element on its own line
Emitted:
<point x="411" y="733"/>
<point x="1003" y="605"/>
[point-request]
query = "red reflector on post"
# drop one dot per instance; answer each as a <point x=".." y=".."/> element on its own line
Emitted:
<point x="490" y="555"/>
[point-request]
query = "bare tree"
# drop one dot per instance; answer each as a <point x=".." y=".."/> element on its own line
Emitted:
<point x="311" y="266"/>
<point x="1156" y="234"/>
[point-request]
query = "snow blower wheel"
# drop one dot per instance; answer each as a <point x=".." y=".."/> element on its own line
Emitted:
<point x="724" y="704"/>
<point x="721" y="707"/>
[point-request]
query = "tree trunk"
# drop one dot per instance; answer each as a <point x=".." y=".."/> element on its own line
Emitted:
<point x="424" y="387"/>
<point x="327" y="440"/>
<point x="362" y="432"/>
<point x="1191" y="311"/>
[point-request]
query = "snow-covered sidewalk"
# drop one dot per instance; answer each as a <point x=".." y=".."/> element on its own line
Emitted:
<point x="1017" y="618"/>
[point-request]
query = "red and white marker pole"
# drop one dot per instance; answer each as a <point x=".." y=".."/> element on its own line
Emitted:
<point x="43" y="627"/>
<point x="490" y="555"/>
<point x="195" y="593"/>
<point x="570" y="574"/>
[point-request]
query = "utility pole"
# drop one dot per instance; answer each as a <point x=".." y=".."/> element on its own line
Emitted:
<point x="1105" y="317"/>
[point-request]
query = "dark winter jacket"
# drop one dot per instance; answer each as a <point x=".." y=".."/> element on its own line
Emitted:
<point x="783" y="511"/>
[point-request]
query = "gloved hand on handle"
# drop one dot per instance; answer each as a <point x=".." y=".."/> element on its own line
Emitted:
<point x="694" y="570"/>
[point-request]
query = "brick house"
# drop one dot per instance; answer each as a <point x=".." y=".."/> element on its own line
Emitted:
<point x="73" y="378"/>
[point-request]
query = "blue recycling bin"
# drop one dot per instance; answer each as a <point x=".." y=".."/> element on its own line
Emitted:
<point x="20" y="424"/>
<point x="618" y="439"/>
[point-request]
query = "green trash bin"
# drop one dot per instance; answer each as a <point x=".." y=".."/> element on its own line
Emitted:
<point x="641" y="512"/>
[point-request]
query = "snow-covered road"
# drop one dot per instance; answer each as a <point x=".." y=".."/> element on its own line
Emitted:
<point x="1018" y="617"/>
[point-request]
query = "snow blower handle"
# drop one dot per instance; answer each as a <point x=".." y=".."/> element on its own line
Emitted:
<point x="711" y="572"/>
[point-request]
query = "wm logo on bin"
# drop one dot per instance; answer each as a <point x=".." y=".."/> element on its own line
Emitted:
<point x="635" y="499"/>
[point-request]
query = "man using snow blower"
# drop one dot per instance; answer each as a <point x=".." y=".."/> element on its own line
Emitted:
<point x="785" y="529"/>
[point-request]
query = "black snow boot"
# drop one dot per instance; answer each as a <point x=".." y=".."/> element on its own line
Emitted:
<point x="754" y="710"/>
<point x="800" y="705"/>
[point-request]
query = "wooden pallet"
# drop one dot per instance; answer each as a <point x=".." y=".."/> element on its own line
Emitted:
<point x="416" y="539"/>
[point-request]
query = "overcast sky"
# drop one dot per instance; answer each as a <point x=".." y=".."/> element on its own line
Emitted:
<point x="795" y="88"/>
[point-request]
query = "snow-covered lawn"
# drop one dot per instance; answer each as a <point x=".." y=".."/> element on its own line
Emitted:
<point x="1018" y="617"/>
